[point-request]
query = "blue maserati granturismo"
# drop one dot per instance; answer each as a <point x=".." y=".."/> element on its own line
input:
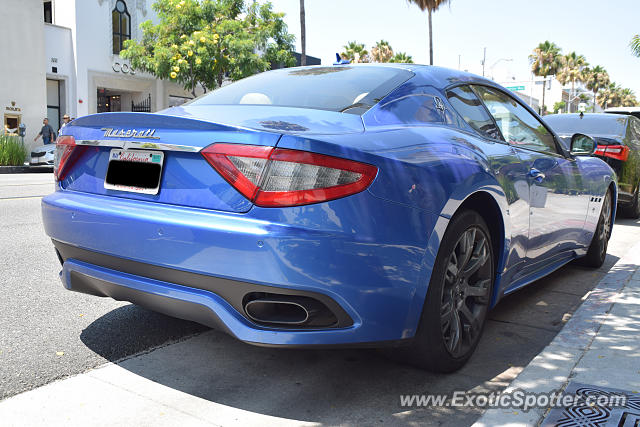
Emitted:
<point x="381" y="205"/>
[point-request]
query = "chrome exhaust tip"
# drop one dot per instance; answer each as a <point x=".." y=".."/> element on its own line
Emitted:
<point x="276" y="311"/>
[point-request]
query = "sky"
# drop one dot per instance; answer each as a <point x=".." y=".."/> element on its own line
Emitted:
<point x="508" y="29"/>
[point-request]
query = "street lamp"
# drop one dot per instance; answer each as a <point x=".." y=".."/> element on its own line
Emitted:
<point x="496" y="63"/>
<point x="573" y="98"/>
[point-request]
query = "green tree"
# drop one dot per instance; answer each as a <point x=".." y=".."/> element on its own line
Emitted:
<point x="596" y="79"/>
<point x="628" y="98"/>
<point x="402" y="57"/>
<point x="572" y="70"/>
<point x="610" y="96"/>
<point x="635" y="45"/>
<point x="199" y="42"/>
<point x="430" y="6"/>
<point x="545" y="62"/>
<point x="558" y="107"/>
<point x="355" y="52"/>
<point x="381" y="52"/>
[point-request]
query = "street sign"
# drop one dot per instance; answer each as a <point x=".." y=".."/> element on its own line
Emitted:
<point x="515" y="88"/>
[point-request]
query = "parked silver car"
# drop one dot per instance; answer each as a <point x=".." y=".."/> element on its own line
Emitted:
<point x="43" y="155"/>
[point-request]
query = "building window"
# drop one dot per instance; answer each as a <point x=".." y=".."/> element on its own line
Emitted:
<point x="121" y="23"/>
<point x="53" y="103"/>
<point x="48" y="12"/>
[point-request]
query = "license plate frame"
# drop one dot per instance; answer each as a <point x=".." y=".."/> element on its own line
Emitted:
<point x="126" y="158"/>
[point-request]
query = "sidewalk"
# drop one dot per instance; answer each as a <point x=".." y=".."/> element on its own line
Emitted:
<point x="114" y="395"/>
<point x="599" y="347"/>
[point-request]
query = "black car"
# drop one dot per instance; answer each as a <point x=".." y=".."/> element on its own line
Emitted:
<point x="618" y="138"/>
<point x="632" y="111"/>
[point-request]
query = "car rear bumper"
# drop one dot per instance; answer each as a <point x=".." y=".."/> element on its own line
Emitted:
<point x="199" y="265"/>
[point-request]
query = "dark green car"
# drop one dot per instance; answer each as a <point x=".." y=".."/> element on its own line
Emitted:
<point x="618" y="138"/>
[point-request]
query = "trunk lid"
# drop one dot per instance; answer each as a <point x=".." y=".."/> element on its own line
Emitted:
<point x="186" y="178"/>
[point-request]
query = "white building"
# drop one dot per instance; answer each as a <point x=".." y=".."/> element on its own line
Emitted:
<point x="61" y="57"/>
<point x="530" y="88"/>
<point x="530" y="91"/>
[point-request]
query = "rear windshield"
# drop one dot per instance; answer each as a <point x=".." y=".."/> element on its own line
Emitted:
<point x="590" y="124"/>
<point x="340" y="88"/>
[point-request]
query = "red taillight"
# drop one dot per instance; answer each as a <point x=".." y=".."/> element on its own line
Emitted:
<point x="279" y="177"/>
<point x="65" y="146"/>
<point x="618" y="152"/>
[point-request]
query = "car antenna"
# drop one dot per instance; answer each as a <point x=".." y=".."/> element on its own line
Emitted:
<point x="340" y="61"/>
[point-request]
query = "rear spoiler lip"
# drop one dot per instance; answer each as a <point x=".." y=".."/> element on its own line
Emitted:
<point x="138" y="145"/>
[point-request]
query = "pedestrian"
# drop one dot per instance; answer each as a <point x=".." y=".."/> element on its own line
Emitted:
<point x="65" y="121"/>
<point x="48" y="136"/>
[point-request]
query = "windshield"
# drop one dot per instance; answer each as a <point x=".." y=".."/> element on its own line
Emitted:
<point x="590" y="124"/>
<point x="339" y="88"/>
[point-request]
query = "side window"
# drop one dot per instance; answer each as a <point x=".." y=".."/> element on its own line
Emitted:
<point x="467" y="104"/>
<point x="415" y="109"/>
<point x="634" y="124"/>
<point x="518" y="126"/>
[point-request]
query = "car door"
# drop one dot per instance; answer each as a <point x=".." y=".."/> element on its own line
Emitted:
<point x="558" y="202"/>
<point x="507" y="167"/>
<point x="629" y="174"/>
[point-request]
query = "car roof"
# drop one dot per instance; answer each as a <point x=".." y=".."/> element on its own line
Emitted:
<point x="442" y="77"/>
<point x="554" y="120"/>
<point x="590" y="116"/>
<point x="587" y="116"/>
<point x="622" y="110"/>
<point x="439" y="77"/>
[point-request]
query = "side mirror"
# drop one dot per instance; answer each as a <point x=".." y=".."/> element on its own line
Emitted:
<point x="582" y="145"/>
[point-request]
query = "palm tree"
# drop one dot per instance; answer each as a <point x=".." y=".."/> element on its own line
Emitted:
<point x="596" y="79"/>
<point x="610" y="96"/>
<point x="430" y="6"/>
<point x="572" y="71"/>
<point x="545" y="62"/>
<point x="381" y="52"/>
<point x="355" y="52"/>
<point x="303" y="35"/>
<point x="402" y="57"/>
<point x="628" y="98"/>
<point x="635" y="45"/>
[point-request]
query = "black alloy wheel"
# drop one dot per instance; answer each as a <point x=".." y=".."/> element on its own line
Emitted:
<point x="465" y="294"/>
<point x="633" y="210"/>
<point x="458" y="297"/>
<point x="597" y="251"/>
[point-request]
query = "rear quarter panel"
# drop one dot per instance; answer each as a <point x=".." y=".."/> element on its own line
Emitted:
<point x="435" y="169"/>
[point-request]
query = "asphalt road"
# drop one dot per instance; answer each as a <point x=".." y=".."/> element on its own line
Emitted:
<point x="39" y="319"/>
<point x="48" y="333"/>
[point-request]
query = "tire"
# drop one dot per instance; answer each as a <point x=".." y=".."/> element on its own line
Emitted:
<point x="457" y="301"/>
<point x="598" y="248"/>
<point x="633" y="210"/>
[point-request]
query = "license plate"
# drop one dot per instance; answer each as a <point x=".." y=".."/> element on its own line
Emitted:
<point x="35" y="160"/>
<point x="135" y="171"/>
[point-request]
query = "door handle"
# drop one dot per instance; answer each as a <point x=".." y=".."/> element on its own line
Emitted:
<point x="536" y="174"/>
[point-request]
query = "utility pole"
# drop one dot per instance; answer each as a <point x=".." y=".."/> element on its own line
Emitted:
<point x="303" y="34"/>
<point x="459" y="61"/>
<point x="484" y="59"/>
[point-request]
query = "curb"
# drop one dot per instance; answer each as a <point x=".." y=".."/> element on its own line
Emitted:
<point x="26" y="169"/>
<point x="552" y="368"/>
